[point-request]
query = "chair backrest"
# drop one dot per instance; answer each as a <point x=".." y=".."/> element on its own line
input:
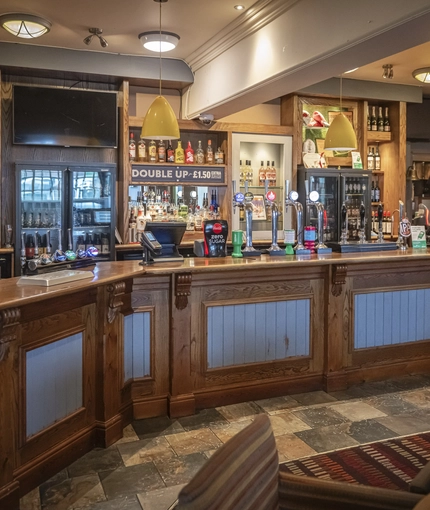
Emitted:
<point x="241" y="475"/>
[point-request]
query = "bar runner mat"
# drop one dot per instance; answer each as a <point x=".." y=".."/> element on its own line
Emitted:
<point x="390" y="464"/>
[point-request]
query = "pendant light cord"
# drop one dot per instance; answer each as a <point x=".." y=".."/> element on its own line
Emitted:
<point x="340" y="91"/>
<point x="160" y="47"/>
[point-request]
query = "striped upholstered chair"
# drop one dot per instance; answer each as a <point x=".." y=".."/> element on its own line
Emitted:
<point x="244" y="475"/>
<point x="241" y="475"/>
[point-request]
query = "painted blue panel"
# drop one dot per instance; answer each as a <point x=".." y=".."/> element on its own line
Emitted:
<point x="137" y="345"/>
<point x="391" y="318"/>
<point x="256" y="332"/>
<point x="53" y="382"/>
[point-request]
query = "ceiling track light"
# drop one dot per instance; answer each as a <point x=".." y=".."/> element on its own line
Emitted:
<point x="98" y="33"/>
<point x="25" y="26"/>
<point x="388" y="71"/>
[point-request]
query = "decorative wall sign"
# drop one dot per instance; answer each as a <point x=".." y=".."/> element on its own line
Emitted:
<point x="191" y="174"/>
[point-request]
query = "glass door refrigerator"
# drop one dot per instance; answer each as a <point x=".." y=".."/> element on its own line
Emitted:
<point x="336" y="187"/>
<point x="60" y="197"/>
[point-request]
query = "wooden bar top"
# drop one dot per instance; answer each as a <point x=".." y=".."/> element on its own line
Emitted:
<point x="12" y="294"/>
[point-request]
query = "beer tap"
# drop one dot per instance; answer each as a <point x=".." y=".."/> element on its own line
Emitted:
<point x="291" y="199"/>
<point x="245" y="201"/>
<point x="361" y="233"/>
<point x="270" y="200"/>
<point x="404" y="228"/>
<point x="312" y="199"/>
<point x="23" y="258"/>
<point x="380" y="214"/>
<point x="344" y="224"/>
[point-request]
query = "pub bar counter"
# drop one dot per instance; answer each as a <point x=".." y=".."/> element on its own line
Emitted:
<point x="79" y="361"/>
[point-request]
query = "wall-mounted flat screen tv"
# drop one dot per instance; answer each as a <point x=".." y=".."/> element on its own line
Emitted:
<point x="64" y="117"/>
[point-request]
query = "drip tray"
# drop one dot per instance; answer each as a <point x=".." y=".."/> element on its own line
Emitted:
<point x="358" y="248"/>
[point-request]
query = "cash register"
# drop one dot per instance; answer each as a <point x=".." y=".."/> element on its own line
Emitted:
<point x="160" y="241"/>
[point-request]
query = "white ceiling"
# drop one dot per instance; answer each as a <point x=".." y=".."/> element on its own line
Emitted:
<point x="195" y="21"/>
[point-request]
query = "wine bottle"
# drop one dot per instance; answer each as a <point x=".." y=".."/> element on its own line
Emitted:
<point x="170" y="153"/>
<point x="377" y="159"/>
<point x="373" y="120"/>
<point x="132" y="148"/>
<point x="380" y="119"/>
<point x="387" y="126"/>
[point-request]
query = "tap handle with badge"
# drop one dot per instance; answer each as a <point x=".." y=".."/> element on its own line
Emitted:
<point x="362" y="215"/>
<point x="344" y="216"/>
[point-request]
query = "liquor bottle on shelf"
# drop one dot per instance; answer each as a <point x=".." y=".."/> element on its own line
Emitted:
<point x="170" y="153"/>
<point x="152" y="151"/>
<point x="389" y="223"/>
<point x="209" y="153"/>
<point x="189" y="154"/>
<point x="387" y="126"/>
<point x="380" y="119"/>
<point x="370" y="159"/>
<point x="200" y="155"/>
<point x="377" y="164"/>
<point x="368" y="119"/>
<point x="241" y="174"/>
<point x="261" y="174"/>
<point x="161" y="150"/>
<point x="141" y="150"/>
<point x="29" y="247"/>
<point x="249" y="174"/>
<point x="179" y="154"/>
<point x="273" y="174"/>
<point x="372" y="192"/>
<point x="373" y="120"/>
<point x="132" y="148"/>
<point x="98" y="242"/>
<point x="377" y="192"/>
<point x="219" y="156"/>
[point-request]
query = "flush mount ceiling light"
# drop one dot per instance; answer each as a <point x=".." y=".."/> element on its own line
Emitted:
<point x="422" y="74"/>
<point x="98" y="33"/>
<point x="25" y="26"/>
<point x="340" y="135"/>
<point x="159" y="41"/>
<point x="388" y="71"/>
<point x="160" y="121"/>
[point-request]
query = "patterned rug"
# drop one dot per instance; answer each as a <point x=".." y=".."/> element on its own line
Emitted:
<point x="391" y="463"/>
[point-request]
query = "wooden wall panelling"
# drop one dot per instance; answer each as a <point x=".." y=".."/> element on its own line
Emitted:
<point x="151" y="295"/>
<point x="2" y="221"/>
<point x="10" y="339"/>
<point x="123" y="160"/>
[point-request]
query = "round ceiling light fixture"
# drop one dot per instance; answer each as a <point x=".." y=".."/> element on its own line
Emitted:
<point x="25" y="26"/>
<point x="159" y="41"/>
<point x="422" y="75"/>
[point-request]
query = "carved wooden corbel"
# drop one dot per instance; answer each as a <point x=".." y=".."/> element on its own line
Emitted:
<point x="9" y="319"/>
<point x="338" y="279"/>
<point x="182" y="290"/>
<point x="116" y="290"/>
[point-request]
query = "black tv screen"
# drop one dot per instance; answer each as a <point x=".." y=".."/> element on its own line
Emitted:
<point x="64" y="117"/>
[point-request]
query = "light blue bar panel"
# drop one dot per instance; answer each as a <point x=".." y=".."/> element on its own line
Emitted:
<point x="137" y="345"/>
<point x="391" y="318"/>
<point x="257" y="332"/>
<point x="53" y="382"/>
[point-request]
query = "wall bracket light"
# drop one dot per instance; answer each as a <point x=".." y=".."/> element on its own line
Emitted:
<point x="25" y="26"/>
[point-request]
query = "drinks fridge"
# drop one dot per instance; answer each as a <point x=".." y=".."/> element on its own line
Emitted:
<point x="335" y="187"/>
<point x="60" y="197"/>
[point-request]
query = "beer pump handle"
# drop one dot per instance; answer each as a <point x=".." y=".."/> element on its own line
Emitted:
<point x="307" y="188"/>
<point x="234" y="187"/>
<point x="343" y="214"/>
<point x="266" y="186"/>
<point x="380" y="215"/>
<point x="362" y="215"/>
<point x="287" y="188"/>
<point x="246" y="186"/>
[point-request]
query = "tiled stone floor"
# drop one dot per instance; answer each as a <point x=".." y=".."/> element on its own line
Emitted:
<point x="156" y="457"/>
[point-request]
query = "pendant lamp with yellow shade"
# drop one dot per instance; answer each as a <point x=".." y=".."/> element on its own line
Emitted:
<point x="340" y="135"/>
<point x="160" y="121"/>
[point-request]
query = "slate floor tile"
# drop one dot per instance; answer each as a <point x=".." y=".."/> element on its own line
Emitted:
<point x="394" y="404"/>
<point x="319" y="416"/>
<point x="99" y="459"/>
<point x="277" y="404"/>
<point x="357" y="411"/>
<point x="225" y="431"/>
<point x="193" y="441"/>
<point x="313" y="397"/>
<point x="325" y="439"/>
<point x="180" y="470"/>
<point x="145" y="450"/>
<point x="286" y="423"/>
<point x="369" y="431"/>
<point x="203" y="418"/>
<point x="291" y="447"/>
<point x="153" y="427"/>
<point x="159" y="499"/>
<point x="73" y="493"/>
<point x="242" y="411"/>
<point x="419" y="398"/>
<point x="128" y="481"/>
<point x="126" y="503"/>
<point x="404" y="425"/>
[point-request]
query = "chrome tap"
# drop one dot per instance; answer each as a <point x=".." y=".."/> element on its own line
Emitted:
<point x="380" y="213"/>
<point x="392" y="223"/>
<point x="344" y="224"/>
<point x="275" y="213"/>
<point x="361" y="233"/>
<point x="291" y="199"/>
<point x="312" y="199"/>
<point x="401" y="241"/>
<point x="245" y="201"/>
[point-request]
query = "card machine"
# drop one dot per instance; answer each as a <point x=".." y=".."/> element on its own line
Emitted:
<point x="149" y="240"/>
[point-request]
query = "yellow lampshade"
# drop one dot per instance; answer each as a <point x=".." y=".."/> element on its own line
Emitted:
<point x="340" y="135"/>
<point x="160" y="121"/>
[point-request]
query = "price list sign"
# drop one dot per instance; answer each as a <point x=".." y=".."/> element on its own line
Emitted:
<point x="177" y="174"/>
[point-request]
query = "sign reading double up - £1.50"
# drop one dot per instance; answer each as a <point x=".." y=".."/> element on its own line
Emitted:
<point x="174" y="174"/>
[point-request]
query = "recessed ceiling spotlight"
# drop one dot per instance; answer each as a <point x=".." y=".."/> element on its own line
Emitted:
<point x="239" y="7"/>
